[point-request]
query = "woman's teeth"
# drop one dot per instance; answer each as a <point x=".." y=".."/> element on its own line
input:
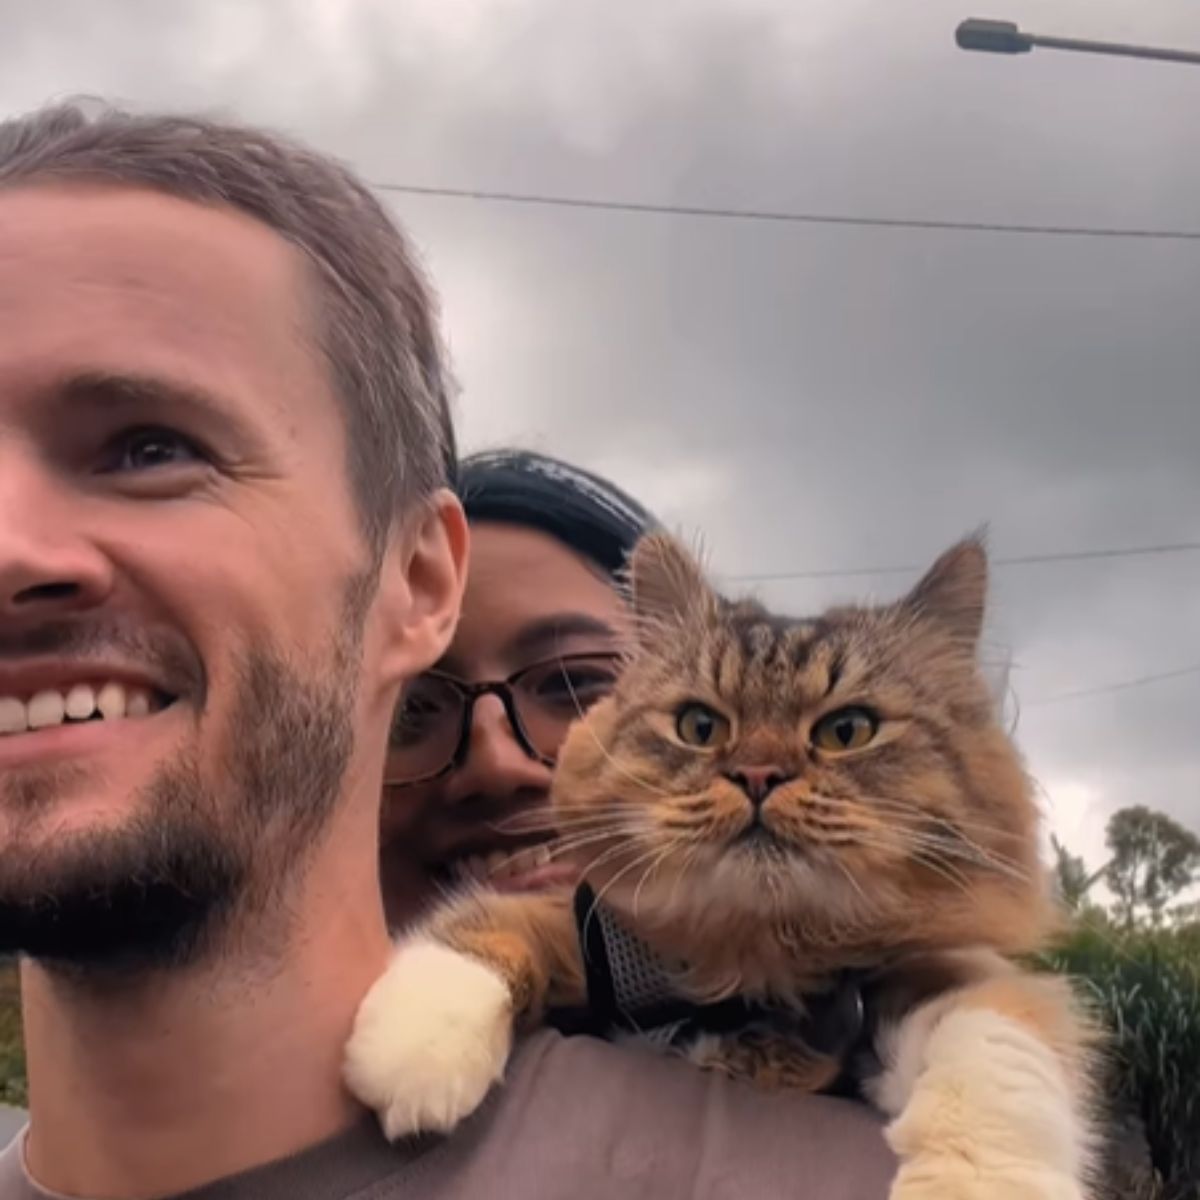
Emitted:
<point x="498" y="865"/>
<point x="81" y="702"/>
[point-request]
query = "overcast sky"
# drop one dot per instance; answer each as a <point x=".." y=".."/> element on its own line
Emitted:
<point x="808" y="397"/>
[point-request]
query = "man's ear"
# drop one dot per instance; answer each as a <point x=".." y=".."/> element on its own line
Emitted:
<point x="421" y="581"/>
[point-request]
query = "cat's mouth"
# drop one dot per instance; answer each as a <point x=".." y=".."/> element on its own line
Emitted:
<point x="756" y="836"/>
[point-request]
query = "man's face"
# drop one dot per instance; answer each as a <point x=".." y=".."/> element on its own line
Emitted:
<point x="182" y="572"/>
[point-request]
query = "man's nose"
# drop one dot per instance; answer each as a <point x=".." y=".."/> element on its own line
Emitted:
<point x="49" y="566"/>
<point x="496" y="765"/>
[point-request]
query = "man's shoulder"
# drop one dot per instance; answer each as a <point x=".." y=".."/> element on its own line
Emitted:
<point x="585" y="1120"/>
<point x="582" y="1109"/>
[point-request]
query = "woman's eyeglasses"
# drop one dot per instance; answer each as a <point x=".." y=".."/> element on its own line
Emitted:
<point x="431" y="731"/>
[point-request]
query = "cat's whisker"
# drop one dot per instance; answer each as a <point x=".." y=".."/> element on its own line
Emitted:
<point x="596" y="900"/>
<point x="606" y="856"/>
<point x="947" y="872"/>
<point x="578" y="837"/>
<point x="637" y="891"/>
<point x="592" y="806"/>
<point x="1001" y="863"/>
<point x="916" y="811"/>
<point x="936" y="859"/>
<point x="579" y="820"/>
<point x="966" y="851"/>
<point x="907" y="808"/>
<point x="615" y="819"/>
<point x="653" y="789"/>
<point x="845" y="870"/>
<point x="969" y="828"/>
<point x="957" y="843"/>
<point x="683" y="827"/>
<point x="689" y="861"/>
<point x="572" y="844"/>
<point x="633" y="820"/>
<point x="559" y="812"/>
<point x="543" y="825"/>
<point x="569" y="822"/>
<point x="928" y="856"/>
<point x="962" y="828"/>
<point x="600" y="860"/>
<point x="579" y="806"/>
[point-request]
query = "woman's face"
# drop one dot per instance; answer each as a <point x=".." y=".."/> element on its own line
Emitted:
<point x="529" y="601"/>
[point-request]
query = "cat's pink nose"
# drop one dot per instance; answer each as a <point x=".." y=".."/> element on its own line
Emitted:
<point x="759" y="782"/>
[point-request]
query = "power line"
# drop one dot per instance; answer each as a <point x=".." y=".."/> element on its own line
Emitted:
<point x="1121" y="686"/>
<point x="1012" y="561"/>
<point x="779" y="216"/>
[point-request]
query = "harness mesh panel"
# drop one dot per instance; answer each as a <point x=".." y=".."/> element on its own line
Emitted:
<point x="640" y="978"/>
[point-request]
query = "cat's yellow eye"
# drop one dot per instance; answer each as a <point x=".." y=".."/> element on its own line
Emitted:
<point x="698" y="725"/>
<point x="844" y="730"/>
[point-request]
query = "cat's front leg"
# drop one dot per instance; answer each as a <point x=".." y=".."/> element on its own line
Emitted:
<point x="433" y="1035"/>
<point x="989" y="1090"/>
<point x="769" y="1061"/>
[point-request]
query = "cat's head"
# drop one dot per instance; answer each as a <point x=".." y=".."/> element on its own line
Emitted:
<point x="846" y="772"/>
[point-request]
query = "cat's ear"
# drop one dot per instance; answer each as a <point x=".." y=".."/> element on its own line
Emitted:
<point x="953" y="592"/>
<point x="666" y="583"/>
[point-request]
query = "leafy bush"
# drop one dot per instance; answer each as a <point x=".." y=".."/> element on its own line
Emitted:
<point x="13" y="1088"/>
<point x="1146" y="984"/>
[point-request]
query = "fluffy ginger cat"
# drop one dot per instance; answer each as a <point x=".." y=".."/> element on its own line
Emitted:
<point x="820" y="846"/>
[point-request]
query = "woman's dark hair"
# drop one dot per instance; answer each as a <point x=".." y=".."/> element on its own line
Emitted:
<point x="584" y="512"/>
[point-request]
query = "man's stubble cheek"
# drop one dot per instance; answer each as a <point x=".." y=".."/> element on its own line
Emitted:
<point x="214" y="838"/>
<point x="209" y="843"/>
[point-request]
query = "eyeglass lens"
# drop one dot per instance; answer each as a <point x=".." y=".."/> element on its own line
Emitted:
<point x="431" y="721"/>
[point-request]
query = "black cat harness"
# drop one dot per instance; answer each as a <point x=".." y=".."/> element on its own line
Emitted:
<point x="632" y="991"/>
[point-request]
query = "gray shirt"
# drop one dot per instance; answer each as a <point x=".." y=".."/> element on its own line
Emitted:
<point x="582" y="1119"/>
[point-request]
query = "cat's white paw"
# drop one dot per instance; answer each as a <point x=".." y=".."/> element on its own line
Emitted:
<point x="990" y="1116"/>
<point x="430" y="1039"/>
<point x="946" y="1179"/>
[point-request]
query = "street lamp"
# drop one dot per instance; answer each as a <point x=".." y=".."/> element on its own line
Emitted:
<point x="1004" y="37"/>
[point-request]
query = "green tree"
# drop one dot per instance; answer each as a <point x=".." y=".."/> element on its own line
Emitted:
<point x="1153" y="859"/>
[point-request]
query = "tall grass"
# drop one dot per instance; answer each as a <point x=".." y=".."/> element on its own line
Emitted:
<point x="1146" y="984"/>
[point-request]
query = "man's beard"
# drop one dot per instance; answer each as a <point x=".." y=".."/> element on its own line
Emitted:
<point x="198" y="858"/>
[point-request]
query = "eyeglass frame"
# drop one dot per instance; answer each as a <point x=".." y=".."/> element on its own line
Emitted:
<point x="502" y="689"/>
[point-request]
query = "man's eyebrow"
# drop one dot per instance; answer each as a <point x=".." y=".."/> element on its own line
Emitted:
<point x="112" y="390"/>
<point x="546" y="635"/>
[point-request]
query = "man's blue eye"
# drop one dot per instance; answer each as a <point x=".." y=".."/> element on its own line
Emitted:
<point x="147" y="449"/>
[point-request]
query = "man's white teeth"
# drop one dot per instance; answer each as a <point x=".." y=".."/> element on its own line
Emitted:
<point x="46" y="709"/>
<point x="110" y="701"/>
<point x="13" y="716"/>
<point x="81" y="702"/>
<point x="499" y="865"/>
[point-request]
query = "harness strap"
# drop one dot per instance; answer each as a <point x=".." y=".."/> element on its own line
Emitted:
<point x="631" y="989"/>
